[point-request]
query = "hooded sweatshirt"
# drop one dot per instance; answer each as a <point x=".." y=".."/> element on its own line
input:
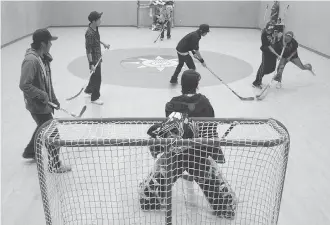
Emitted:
<point x="36" y="83"/>
<point x="199" y="105"/>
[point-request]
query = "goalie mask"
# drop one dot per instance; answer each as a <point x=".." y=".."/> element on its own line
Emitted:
<point x="176" y="126"/>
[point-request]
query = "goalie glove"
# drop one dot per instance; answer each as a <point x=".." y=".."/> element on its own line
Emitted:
<point x="176" y="126"/>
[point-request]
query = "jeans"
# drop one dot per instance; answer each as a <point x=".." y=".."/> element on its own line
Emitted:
<point x="184" y="59"/>
<point x="94" y="84"/>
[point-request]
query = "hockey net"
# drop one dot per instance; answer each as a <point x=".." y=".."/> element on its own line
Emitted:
<point x="116" y="180"/>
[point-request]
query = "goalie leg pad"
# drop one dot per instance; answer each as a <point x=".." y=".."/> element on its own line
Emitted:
<point x="152" y="190"/>
<point x="217" y="190"/>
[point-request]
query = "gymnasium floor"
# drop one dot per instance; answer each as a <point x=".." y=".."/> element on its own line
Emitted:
<point x="131" y="88"/>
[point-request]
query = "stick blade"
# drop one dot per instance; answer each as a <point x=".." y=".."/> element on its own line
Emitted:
<point x="82" y="111"/>
<point x="75" y="96"/>
<point x="262" y="95"/>
<point x="247" y="98"/>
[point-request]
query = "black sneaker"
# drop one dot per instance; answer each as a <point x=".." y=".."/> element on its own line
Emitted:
<point x="169" y="37"/>
<point x="161" y="39"/>
<point x="174" y="80"/>
<point x="27" y="155"/>
<point x="257" y="86"/>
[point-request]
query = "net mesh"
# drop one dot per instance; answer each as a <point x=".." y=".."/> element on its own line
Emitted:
<point x="235" y="178"/>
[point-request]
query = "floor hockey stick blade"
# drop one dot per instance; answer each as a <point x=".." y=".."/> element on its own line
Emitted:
<point x="75" y="96"/>
<point x="313" y="72"/>
<point x="82" y="111"/>
<point x="259" y="98"/>
<point x="262" y="94"/>
<point x="247" y="98"/>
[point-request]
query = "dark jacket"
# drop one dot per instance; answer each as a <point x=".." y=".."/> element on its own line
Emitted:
<point x="202" y="106"/>
<point x="266" y="41"/>
<point x="33" y="83"/>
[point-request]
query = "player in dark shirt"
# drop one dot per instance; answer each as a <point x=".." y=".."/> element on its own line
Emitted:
<point x="189" y="43"/>
<point x="269" y="55"/>
<point x="199" y="161"/>
<point x="290" y="54"/>
<point x="93" y="51"/>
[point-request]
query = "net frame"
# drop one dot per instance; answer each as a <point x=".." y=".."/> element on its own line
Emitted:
<point x="43" y="136"/>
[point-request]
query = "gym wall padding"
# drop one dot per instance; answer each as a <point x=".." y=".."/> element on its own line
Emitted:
<point x="21" y="18"/>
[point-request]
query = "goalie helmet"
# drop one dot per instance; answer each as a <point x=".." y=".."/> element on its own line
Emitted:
<point x="178" y="125"/>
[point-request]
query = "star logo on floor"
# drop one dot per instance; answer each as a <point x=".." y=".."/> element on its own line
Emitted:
<point x="159" y="62"/>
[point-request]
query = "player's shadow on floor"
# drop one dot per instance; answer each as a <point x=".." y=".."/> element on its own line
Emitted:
<point x="30" y="162"/>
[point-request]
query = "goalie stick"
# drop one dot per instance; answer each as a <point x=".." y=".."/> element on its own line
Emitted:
<point x="90" y="74"/>
<point x="67" y="112"/>
<point x="240" y="97"/>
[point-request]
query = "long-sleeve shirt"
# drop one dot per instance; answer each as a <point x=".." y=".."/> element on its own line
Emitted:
<point x="93" y="44"/>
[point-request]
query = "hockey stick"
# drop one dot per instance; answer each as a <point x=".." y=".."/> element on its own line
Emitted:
<point x="259" y="96"/>
<point x="163" y="28"/>
<point x="230" y="129"/>
<point x="71" y="114"/>
<point x="240" y="97"/>
<point x="265" y="13"/>
<point x="90" y="74"/>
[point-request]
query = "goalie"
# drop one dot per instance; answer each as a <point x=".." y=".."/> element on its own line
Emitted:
<point x="200" y="162"/>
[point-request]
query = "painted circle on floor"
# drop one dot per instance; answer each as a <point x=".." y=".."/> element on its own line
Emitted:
<point x="153" y="67"/>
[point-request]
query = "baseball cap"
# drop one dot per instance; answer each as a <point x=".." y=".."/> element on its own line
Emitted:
<point x="204" y="28"/>
<point x="94" y="16"/>
<point x="289" y="33"/>
<point x="43" y="35"/>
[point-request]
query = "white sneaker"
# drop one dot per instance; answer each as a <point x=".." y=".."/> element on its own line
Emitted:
<point x="279" y="85"/>
<point x="98" y="102"/>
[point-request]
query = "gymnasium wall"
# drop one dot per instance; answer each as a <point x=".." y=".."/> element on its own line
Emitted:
<point x="75" y="13"/>
<point x="21" y="18"/>
<point x="309" y="22"/>
<point x="38" y="14"/>
<point x="124" y="13"/>
<point x="217" y="13"/>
